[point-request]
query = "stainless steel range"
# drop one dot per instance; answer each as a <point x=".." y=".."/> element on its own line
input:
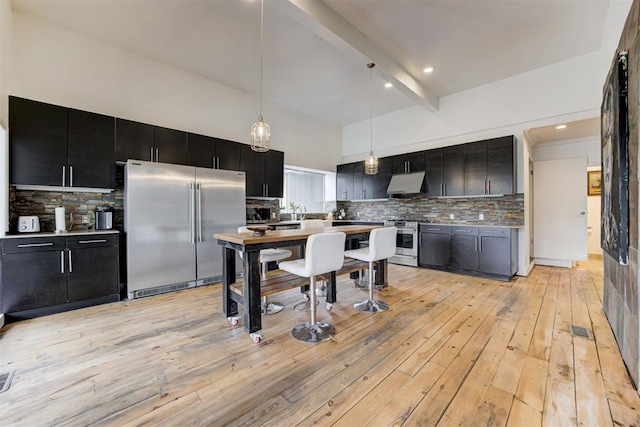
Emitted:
<point x="406" y="242"/>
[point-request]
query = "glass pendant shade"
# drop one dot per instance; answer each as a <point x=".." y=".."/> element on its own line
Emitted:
<point x="371" y="164"/>
<point x="260" y="136"/>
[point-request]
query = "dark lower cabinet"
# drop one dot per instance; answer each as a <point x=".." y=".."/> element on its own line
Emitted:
<point x="464" y="248"/>
<point x="482" y="251"/>
<point x="435" y="246"/>
<point x="498" y="251"/>
<point x="44" y="275"/>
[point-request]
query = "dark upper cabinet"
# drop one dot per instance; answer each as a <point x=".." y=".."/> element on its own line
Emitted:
<point x="489" y="166"/>
<point x="265" y="172"/>
<point x="501" y="165"/>
<point x="141" y="141"/>
<point x="274" y="173"/>
<point x="228" y="155"/>
<point x="91" y="150"/>
<point x="134" y="140"/>
<point x="453" y="170"/>
<point x="344" y="182"/>
<point x="407" y="163"/>
<point x="434" y="172"/>
<point x="362" y="183"/>
<point x="57" y="146"/>
<point x="382" y="178"/>
<point x="170" y="146"/>
<point x="37" y="142"/>
<point x="475" y="168"/>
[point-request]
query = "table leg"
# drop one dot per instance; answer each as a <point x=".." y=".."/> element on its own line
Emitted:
<point x="229" y="306"/>
<point x="382" y="274"/>
<point x="331" y="288"/>
<point x="251" y="292"/>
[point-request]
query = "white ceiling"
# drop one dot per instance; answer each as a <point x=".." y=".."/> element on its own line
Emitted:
<point x="316" y="52"/>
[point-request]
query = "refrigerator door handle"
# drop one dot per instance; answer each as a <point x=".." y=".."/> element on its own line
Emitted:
<point x="192" y="209"/>
<point x="199" y="211"/>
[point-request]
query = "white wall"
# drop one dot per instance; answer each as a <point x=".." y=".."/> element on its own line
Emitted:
<point x="52" y="64"/>
<point x="5" y="43"/>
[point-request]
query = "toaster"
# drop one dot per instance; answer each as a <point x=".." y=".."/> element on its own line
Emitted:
<point x="28" y="224"/>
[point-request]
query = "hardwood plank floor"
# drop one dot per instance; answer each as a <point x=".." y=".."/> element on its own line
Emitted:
<point x="451" y="350"/>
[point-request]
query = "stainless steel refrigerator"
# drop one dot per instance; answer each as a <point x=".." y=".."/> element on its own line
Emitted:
<point x="171" y="213"/>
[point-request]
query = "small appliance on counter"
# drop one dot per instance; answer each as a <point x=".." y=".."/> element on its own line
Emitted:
<point x="28" y="224"/>
<point x="104" y="218"/>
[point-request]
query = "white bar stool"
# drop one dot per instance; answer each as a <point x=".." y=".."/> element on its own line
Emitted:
<point x="322" y="290"/>
<point x="324" y="253"/>
<point x="382" y="245"/>
<point x="267" y="256"/>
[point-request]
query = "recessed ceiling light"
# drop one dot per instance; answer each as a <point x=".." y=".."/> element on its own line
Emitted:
<point x="428" y="70"/>
<point x="561" y="127"/>
<point x="388" y="85"/>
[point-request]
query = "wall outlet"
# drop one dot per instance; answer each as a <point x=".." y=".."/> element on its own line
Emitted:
<point x="85" y="219"/>
<point x="481" y="217"/>
<point x="358" y="214"/>
<point x="451" y="216"/>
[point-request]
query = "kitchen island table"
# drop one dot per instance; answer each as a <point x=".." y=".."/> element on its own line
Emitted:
<point x="250" y="246"/>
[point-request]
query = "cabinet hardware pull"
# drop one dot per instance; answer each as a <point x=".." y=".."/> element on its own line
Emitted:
<point x="157" y="156"/>
<point x="218" y="160"/>
<point x="64" y="170"/>
<point x="70" y="176"/>
<point x="93" y="241"/>
<point x="444" y="186"/>
<point x="464" y="231"/>
<point x="62" y="262"/>
<point x="35" y="245"/>
<point x="475" y="245"/>
<point x="480" y="245"/>
<point x="434" y="229"/>
<point x="213" y="162"/>
<point x="489" y="187"/>
<point x="70" y="263"/>
<point x="151" y="154"/>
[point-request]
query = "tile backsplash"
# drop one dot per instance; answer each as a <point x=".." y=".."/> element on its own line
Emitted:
<point x="499" y="210"/>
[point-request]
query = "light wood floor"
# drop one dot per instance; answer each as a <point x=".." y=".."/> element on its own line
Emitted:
<point x="452" y="350"/>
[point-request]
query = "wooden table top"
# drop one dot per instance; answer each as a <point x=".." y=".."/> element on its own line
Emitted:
<point x="290" y="235"/>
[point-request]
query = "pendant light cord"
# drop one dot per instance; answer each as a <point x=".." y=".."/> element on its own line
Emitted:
<point x="371" y="65"/>
<point x="261" y="49"/>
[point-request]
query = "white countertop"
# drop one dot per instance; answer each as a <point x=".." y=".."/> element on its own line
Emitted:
<point x="53" y="234"/>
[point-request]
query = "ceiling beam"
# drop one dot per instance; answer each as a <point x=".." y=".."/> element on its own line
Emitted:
<point x="318" y="17"/>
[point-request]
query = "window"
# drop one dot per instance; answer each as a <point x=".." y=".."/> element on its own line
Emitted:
<point x="305" y="189"/>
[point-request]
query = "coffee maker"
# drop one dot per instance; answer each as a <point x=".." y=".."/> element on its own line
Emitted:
<point x="104" y="218"/>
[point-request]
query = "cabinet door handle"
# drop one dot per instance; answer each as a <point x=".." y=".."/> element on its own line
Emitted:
<point x="218" y="160"/>
<point x="489" y="192"/>
<point x="475" y="244"/>
<point x="82" y="242"/>
<point x="70" y="263"/>
<point x="157" y="156"/>
<point x="213" y="162"/>
<point x="434" y="229"/>
<point x="480" y="244"/>
<point x="70" y="176"/>
<point x="151" y="154"/>
<point x="62" y="262"/>
<point x="444" y="188"/>
<point x="464" y="231"/>
<point x="64" y="170"/>
<point x="35" y="245"/>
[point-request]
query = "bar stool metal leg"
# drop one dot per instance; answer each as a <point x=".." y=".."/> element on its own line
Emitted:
<point x="313" y="331"/>
<point x="371" y="305"/>
<point x="269" y="307"/>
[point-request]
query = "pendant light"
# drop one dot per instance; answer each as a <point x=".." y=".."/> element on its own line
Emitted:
<point x="260" y="131"/>
<point x="371" y="162"/>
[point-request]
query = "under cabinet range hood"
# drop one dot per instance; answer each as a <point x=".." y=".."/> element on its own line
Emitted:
<point x="406" y="183"/>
